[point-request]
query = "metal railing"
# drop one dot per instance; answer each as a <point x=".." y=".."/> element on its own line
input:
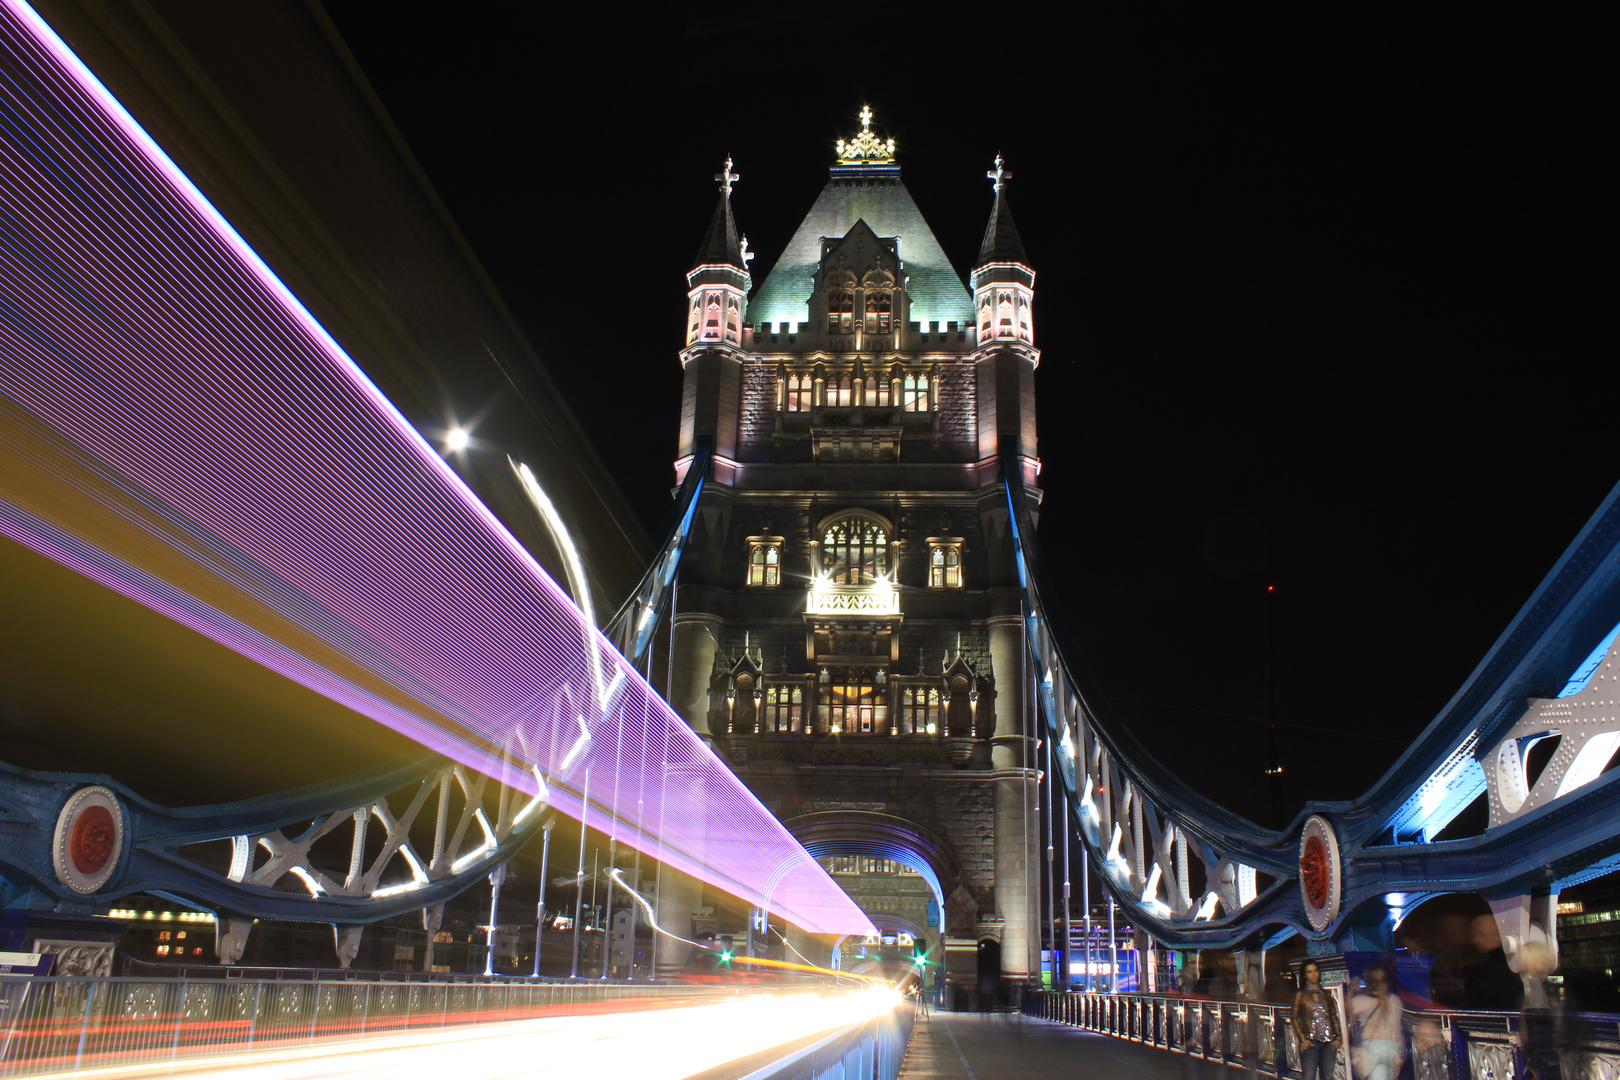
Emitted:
<point x="1440" y="1045"/>
<point x="874" y="1048"/>
<point x="56" y="1024"/>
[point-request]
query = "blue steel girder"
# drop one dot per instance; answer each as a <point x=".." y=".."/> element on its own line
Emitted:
<point x="632" y="627"/>
<point x="1142" y="825"/>
<point x="147" y="856"/>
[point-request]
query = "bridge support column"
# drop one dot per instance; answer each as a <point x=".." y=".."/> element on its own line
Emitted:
<point x="1525" y="919"/>
<point x="347" y="941"/>
<point x="693" y="647"/>
<point x="1017" y="798"/>
<point x="679" y="894"/>
<point x="432" y="919"/>
<point x="230" y="938"/>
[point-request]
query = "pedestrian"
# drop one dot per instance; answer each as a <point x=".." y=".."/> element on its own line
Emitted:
<point x="1316" y="1021"/>
<point x="1492" y="983"/>
<point x="1380" y="1053"/>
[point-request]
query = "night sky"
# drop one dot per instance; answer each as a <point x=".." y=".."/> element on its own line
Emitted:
<point x="1318" y="306"/>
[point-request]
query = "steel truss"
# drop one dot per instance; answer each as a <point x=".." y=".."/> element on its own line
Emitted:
<point x="1142" y="826"/>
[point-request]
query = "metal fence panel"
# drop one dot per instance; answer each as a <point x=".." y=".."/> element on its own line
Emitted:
<point x="1441" y="1045"/>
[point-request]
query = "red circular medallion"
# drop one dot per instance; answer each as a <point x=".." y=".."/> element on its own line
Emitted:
<point x="94" y="837"/>
<point x="1314" y="871"/>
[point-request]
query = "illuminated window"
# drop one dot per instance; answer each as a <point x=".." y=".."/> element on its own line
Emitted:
<point x="854" y="551"/>
<point x="851" y="701"/>
<point x="985" y="317"/>
<point x="914" y="393"/>
<point x="765" y="561"/>
<point x="1004" y="307"/>
<point x="732" y="317"/>
<point x="711" y="321"/>
<point x="800" y="391"/>
<point x="840" y="312"/>
<point x="697" y="318"/>
<point x="784" y="709"/>
<point x="839" y="391"/>
<point x="920" y="710"/>
<point x="879" y="312"/>
<point x="877" y="391"/>
<point x="944" y="562"/>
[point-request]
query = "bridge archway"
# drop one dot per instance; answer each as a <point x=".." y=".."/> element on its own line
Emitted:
<point x="883" y="836"/>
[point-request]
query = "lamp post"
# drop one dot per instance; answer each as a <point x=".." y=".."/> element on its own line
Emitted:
<point x="579" y="875"/>
<point x="540" y="910"/>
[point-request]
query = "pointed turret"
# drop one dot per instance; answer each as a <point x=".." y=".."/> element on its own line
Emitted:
<point x="1003" y="283"/>
<point x="1002" y="243"/>
<point x="716" y="333"/>
<point x="721" y="246"/>
<point x="1003" y="294"/>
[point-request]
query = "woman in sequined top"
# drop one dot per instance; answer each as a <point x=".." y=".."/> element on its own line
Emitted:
<point x="1315" y="1018"/>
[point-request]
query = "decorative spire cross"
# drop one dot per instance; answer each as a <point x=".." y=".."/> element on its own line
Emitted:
<point x="866" y="148"/>
<point x="999" y="175"/>
<point x="727" y="178"/>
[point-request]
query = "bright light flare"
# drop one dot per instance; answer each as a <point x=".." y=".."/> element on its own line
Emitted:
<point x="457" y="439"/>
<point x="656" y="1044"/>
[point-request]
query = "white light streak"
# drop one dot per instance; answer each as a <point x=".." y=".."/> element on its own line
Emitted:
<point x="577" y="582"/>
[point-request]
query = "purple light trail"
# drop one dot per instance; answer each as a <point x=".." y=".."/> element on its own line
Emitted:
<point x="181" y="429"/>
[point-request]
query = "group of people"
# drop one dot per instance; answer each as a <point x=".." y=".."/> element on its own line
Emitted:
<point x="1315" y="1018"/>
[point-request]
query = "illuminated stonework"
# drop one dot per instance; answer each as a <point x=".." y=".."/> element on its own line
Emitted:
<point x="858" y="421"/>
<point x="877" y="599"/>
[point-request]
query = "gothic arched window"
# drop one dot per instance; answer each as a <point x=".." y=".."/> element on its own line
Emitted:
<point x="765" y="561"/>
<point x="852" y="702"/>
<point x="914" y="393"/>
<point x="985" y="318"/>
<point x="784" y="709"/>
<point x="855" y="551"/>
<point x="800" y="393"/>
<point x="944" y="563"/>
<point x="879" y="312"/>
<point x="839" y="391"/>
<point x="840" y="312"/>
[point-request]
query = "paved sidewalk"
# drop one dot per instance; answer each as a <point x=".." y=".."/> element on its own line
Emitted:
<point x="1008" y="1046"/>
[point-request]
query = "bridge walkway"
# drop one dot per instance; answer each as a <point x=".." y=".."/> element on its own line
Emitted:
<point x="1009" y="1046"/>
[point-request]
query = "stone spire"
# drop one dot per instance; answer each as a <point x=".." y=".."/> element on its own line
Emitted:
<point x="1001" y="241"/>
<point x="720" y="244"/>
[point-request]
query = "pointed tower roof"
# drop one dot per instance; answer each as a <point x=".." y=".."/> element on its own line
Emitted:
<point x="720" y="244"/>
<point x="1001" y="240"/>
<point x="865" y="184"/>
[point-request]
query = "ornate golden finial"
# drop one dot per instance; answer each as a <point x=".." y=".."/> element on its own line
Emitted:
<point x="1000" y="175"/>
<point x="866" y="148"/>
<point x="727" y="177"/>
<point x="742" y="246"/>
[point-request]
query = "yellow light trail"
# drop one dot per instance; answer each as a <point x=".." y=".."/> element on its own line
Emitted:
<point x="660" y="1044"/>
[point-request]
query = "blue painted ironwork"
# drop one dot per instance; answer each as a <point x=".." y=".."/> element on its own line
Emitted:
<point x="633" y="625"/>
<point x="1141" y="824"/>
<point x="150" y="860"/>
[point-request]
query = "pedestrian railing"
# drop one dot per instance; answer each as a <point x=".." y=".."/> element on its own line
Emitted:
<point x="58" y="1024"/>
<point x="874" y="1048"/>
<point x="1441" y="1045"/>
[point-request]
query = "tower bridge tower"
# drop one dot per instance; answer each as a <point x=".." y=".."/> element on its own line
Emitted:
<point x="847" y="631"/>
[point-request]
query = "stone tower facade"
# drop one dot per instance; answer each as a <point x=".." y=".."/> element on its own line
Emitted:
<point x="847" y="630"/>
